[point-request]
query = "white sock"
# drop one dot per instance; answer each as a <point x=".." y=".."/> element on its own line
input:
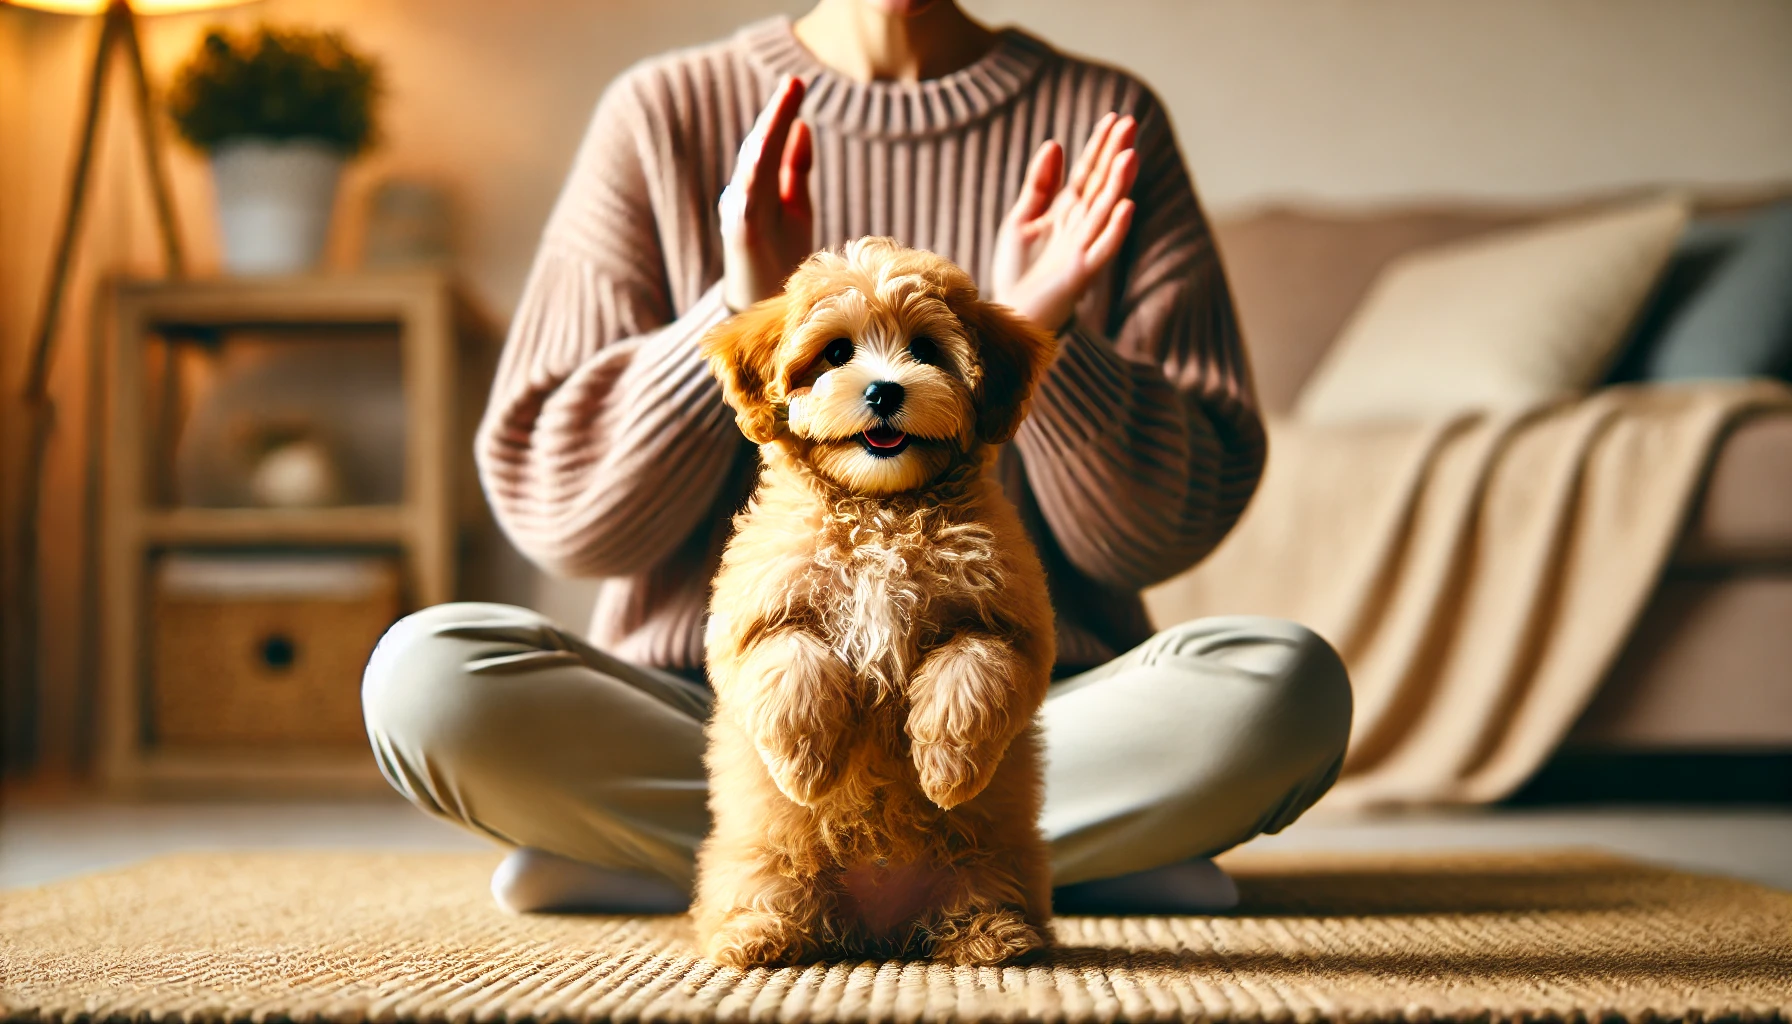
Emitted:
<point x="535" y="881"/>
<point x="1196" y="886"/>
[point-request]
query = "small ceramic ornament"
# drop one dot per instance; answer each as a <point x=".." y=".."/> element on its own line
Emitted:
<point x="297" y="474"/>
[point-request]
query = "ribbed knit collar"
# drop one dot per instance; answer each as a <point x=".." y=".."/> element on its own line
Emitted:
<point x="898" y="108"/>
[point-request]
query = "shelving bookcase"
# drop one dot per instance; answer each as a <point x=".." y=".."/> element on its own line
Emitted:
<point x="134" y="525"/>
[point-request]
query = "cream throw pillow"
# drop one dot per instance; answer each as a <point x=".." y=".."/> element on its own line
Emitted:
<point x="1496" y="322"/>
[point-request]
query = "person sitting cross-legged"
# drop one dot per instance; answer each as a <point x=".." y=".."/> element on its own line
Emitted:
<point x="607" y="451"/>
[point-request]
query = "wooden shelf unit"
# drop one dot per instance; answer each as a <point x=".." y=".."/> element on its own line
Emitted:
<point x="422" y="528"/>
<point x="348" y="524"/>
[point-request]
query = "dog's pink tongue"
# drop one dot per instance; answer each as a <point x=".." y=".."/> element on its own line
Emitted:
<point x="884" y="437"/>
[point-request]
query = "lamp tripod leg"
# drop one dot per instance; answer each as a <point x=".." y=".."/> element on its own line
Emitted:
<point x="23" y="642"/>
<point x="148" y="131"/>
<point x="23" y="668"/>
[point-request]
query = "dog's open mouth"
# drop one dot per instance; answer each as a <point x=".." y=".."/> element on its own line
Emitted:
<point x="884" y="441"/>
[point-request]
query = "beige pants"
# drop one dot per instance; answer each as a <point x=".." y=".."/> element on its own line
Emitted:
<point x="494" y="718"/>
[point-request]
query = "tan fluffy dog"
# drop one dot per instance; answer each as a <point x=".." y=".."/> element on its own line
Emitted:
<point x="880" y="635"/>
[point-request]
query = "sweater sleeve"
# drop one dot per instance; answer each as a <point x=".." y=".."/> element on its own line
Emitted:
<point x="1144" y="442"/>
<point x="606" y="439"/>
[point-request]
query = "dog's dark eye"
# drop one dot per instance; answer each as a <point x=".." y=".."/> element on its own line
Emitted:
<point x="924" y="350"/>
<point x="838" y="352"/>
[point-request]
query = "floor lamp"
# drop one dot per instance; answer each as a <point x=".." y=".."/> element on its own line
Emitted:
<point x="118" y="30"/>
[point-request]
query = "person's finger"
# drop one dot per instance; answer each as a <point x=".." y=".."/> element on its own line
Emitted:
<point x="1121" y="175"/>
<point x="1106" y="245"/>
<point x="793" y="170"/>
<point x="1085" y="161"/>
<point x="761" y="182"/>
<point x="767" y="171"/>
<point x="1040" y="183"/>
<point x="750" y="147"/>
<point x="1119" y="140"/>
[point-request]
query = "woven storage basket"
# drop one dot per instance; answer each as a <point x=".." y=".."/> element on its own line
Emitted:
<point x="265" y="652"/>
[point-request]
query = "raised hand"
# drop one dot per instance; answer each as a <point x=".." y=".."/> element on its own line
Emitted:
<point x="1056" y="239"/>
<point x="767" y="219"/>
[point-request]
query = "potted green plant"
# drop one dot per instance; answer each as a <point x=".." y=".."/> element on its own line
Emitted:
<point x="278" y="111"/>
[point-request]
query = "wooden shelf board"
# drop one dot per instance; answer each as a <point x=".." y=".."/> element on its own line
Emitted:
<point x="226" y="771"/>
<point x="299" y="299"/>
<point x="346" y="524"/>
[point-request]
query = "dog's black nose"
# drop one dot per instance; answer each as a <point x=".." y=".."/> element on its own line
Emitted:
<point x="884" y="397"/>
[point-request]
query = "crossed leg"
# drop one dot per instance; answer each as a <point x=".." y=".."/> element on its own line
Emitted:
<point x="491" y="716"/>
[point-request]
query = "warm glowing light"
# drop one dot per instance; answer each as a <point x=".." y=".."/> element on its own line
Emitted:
<point x="140" y="6"/>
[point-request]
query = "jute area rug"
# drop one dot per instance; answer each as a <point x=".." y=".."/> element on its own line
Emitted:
<point x="353" y="937"/>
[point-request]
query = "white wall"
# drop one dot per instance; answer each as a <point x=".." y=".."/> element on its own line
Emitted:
<point x="1359" y="102"/>
<point x="1369" y="101"/>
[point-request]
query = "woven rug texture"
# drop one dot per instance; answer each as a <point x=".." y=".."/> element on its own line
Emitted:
<point x="414" y="937"/>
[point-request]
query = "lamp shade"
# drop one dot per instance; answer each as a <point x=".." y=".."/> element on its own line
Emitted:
<point x="140" y="6"/>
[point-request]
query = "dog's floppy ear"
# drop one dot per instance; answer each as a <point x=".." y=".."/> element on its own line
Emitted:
<point x="1015" y="355"/>
<point x="742" y="353"/>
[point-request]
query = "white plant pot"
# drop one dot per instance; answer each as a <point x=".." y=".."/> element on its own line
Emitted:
<point x="274" y="203"/>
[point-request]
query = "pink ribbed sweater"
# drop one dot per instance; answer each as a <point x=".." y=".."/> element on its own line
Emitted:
<point x="607" y="450"/>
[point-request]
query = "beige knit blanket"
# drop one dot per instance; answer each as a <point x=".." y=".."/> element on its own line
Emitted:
<point x="1478" y="574"/>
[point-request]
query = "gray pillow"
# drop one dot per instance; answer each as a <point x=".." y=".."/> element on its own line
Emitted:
<point x="1738" y="323"/>
<point x="1704" y="247"/>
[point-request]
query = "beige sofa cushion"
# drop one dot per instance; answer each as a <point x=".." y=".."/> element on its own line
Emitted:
<point x="1497" y="322"/>
<point x="1705" y="669"/>
<point x="1745" y="515"/>
<point x="1297" y="273"/>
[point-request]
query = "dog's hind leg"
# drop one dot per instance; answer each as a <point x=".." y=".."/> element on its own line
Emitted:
<point x="753" y="911"/>
<point x="984" y="936"/>
<point x="984" y="922"/>
<point x="998" y="906"/>
<point x="762" y="893"/>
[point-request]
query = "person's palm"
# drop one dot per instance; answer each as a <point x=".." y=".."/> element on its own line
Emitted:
<point x="768" y="222"/>
<point x="1055" y="240"/>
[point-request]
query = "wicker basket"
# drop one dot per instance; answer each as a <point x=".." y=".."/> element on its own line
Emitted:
<point x="265" y="652"/>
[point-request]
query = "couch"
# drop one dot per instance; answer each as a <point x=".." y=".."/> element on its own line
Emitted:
<point x="1709" y="666"/>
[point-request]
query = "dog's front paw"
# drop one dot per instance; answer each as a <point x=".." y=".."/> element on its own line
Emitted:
<point x="749" y="939"/>
<point x="801" y="772"/>
<point x="986" y="938"/>
<point x="800" y="712"/>
<point x="967" y="702"/>
<point x="952" y="773"/>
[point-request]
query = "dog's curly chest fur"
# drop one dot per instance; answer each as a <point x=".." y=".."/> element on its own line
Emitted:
<point x="897" y="578"/>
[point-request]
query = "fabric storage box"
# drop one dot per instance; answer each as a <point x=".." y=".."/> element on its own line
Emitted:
<point x="265" y="651"/>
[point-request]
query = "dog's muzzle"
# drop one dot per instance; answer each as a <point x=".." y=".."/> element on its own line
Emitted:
<point x="884" y="441"/>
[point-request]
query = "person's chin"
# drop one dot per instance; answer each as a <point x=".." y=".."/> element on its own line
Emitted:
<point x="902" y="8"/>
